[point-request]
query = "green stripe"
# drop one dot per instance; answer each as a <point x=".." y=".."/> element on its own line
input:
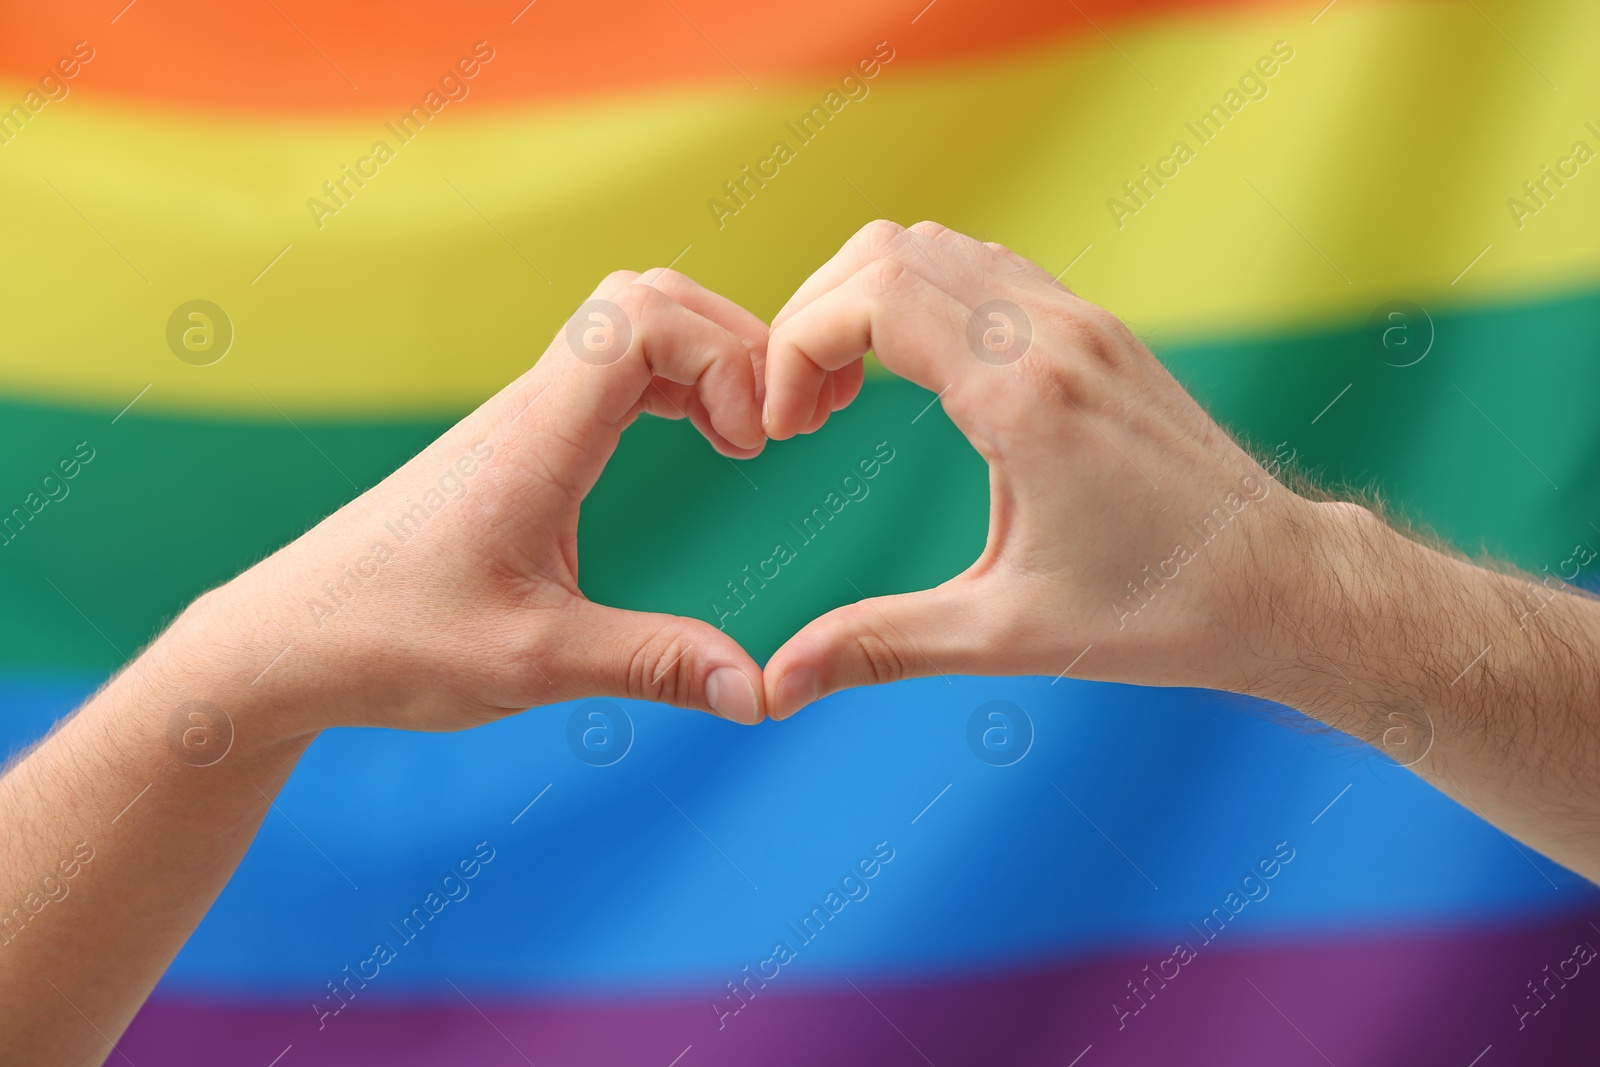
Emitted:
<point x="1464" y="441"/>
<point x="1492" y="440"/>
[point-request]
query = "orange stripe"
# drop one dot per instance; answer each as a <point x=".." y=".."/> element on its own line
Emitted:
<point x="312" y="55"/>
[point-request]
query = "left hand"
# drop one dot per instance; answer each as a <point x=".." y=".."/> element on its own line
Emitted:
<point x="447" y="595"/>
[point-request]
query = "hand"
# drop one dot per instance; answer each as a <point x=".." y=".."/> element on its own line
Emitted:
<point x="447" y="595"/>
<point x="1129" y="536"/>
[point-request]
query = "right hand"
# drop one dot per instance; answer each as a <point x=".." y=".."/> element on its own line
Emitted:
<point x="1102" y="470"/>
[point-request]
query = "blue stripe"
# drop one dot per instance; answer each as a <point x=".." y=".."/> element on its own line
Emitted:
<point x="682" y="862"/>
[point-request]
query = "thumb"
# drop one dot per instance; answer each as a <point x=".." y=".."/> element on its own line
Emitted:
<point x="664" y="658"/>
<point x="882" y="639"/>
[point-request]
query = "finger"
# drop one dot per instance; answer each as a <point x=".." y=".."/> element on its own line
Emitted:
<point x="733" y="317"/>
<point x="743" y="324"/>
<point x="847" y="383"/>
<point x="968" y="271"/>
<point x="701" y="418"/>
<point x="1026" y="269"/>
<point x="664" y="658"/>
<point x="875" y="240"/>
<point x="669" y="400"/>
<point x="917" y="330"/>
<point x="666" y="400"/>
<point x="605" y="359"/>
<point x="824" y="405"/>
<point x="950" y="260"/>
<point x="884" y="639"/>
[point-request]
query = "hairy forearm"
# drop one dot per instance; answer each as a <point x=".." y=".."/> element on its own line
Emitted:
<point x="120" y="829"/>
<point x="1487" y="684"/>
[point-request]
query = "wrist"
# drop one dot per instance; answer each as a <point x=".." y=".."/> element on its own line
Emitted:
<point x="1379" y="633"/>
<point x="1324" y="601"/>
<point x="225" y="657"/>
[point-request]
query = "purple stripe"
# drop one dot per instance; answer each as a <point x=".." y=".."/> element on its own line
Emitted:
<point x="1440" y="999"/>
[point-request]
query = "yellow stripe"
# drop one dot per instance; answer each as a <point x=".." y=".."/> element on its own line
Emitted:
<point x="1378" y="166"/>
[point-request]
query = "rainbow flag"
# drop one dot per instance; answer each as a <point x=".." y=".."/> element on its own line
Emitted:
<point x="258" y="254"/>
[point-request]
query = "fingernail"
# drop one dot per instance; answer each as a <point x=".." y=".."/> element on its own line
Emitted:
<point x="798" y="688"/>
<point x="731" y="695"/>
<point x="766" y="412"/>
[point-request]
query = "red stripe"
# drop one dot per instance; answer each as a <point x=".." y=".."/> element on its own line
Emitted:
<point x="311" y="55"/>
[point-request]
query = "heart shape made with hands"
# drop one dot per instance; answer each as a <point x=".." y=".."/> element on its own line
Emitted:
<point x="1099" y="462"/>
<point x="1119" y="518"/>
<point x="812" y="366"/>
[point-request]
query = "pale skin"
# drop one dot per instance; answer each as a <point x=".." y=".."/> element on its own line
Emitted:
<point x="1099" y="465"/>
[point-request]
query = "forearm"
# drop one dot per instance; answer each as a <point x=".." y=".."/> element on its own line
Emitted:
<point x="120" y="829"/>
<point x="1486" y="684"/>
<point x="444" y="597"/>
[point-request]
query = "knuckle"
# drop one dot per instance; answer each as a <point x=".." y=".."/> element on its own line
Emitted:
<point x="1007" y="261"/>
<point x="665" y="278"/>
<point x="616" y="281"/>
<point x="1062" y="383"/>
<point x="885" y="275"/>
<point x="640" y="303"/>
<point x="880" y="658"/>
<point x="1102" y="320"/>
<point x="883" y="664"/>
<point x="932" y="230"/>
<point x="1091" y="332"/>
<point x="879" y="234"/>
<point x="1110" y="341"/>
<point x="659" y="670"/>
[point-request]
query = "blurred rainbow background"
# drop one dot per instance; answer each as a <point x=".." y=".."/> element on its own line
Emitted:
<point x="1375" y="172"/>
